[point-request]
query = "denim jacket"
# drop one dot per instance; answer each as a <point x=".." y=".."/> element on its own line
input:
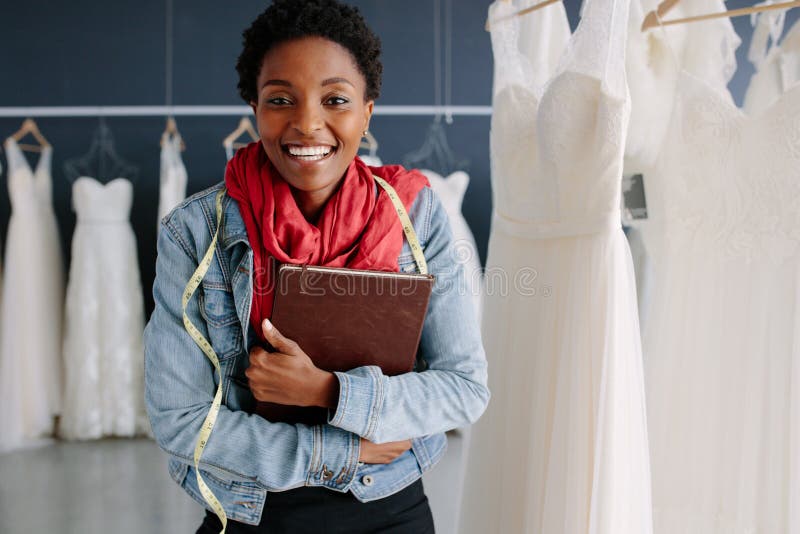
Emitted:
<point x="247" y="456"/>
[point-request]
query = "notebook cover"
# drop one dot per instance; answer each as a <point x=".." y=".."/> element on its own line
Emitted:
<point x="345" y="318"/>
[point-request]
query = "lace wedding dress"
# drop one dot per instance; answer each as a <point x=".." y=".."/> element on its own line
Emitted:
<point x="104" y="321"/>
<point x="653" y="62"/>
<point x="563" y="445"/>
<point x="722" y="339"/>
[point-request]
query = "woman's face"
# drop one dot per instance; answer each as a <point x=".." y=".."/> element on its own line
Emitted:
<point x="311" y="112"/>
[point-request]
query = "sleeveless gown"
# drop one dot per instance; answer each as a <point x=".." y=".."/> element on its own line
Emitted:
<point x="563" y="445"/>
<point x="32" y="306"/>
<point x="653" y="62"/>
<point x="104" y="322"/>
<point x="722" y="339"/>
<point x="172" y="181"/>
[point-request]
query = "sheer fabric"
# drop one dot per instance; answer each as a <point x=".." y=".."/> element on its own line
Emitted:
<point x="32" y="306"/>
<point x="563" y="443"/>
<point x="721" y="339"/>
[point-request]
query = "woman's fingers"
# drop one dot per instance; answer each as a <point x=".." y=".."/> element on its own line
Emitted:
<point x="278" y="341"/>
<point x="383" y="453"/>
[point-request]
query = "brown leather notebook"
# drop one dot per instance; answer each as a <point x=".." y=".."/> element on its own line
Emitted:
<point x="345" y="318"/>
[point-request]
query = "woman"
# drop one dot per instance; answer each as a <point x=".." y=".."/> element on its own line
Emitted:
<point x="311" y="72"/>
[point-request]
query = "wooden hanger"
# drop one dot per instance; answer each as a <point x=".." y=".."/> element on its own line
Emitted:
<point x="29" y="127"/>
<point x="245" y="126"/>
<point x="540" y="5"/>
<point x="651" y="22"/>
<point x="171" y="130"/>
<point x="652" y="18"/>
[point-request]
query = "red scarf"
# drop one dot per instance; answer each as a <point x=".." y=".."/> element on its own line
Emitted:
<point x="356" y="228"/>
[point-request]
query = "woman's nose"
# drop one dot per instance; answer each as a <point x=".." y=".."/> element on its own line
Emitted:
<point x="307" y="119"/>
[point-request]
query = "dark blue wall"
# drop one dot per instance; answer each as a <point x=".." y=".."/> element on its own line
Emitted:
<point x="88" y="52"/>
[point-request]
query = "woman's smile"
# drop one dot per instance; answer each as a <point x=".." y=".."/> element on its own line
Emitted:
<point x="309" y="153"/>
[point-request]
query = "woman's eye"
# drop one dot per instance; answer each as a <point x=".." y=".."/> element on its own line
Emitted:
<point x="336" y="100"/>
<point x="278" y="101"/>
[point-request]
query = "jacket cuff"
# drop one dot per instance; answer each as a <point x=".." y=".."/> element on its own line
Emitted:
<point x="334" y="458"/>
<point x="361" y="394"/>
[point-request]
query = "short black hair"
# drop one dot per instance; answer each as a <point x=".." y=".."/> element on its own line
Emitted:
<point x="286" y="20"/>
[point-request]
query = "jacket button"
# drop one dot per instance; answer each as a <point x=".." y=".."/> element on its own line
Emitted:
<point x="367" y="480"/>
<point x="327" y="475"/>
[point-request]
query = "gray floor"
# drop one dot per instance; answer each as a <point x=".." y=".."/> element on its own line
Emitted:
<point x="122" y="486"/>
<point x="109" y="486"/>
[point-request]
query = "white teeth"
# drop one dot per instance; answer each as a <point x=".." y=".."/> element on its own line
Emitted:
<point x="309" y="150"/>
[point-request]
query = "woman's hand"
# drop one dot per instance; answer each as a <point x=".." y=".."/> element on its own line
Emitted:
<point x="384" y="453"/>
<point x="288" y="376"/>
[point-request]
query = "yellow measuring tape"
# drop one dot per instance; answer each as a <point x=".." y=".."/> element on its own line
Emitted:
<point x="408" y="229"/>
<point x="205" y="346"/>
<point x="202" y="342"/>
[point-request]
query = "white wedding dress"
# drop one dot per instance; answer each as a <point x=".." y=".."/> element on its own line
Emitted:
<point x="32" y="306"/>
<point x="653" y="62"/>
<point x="103" y="348"/>
<point x="450" y="191"/>
<point x="172" y="182"/>
<point x="562" y="447"/>
<point x="444" y="485"/>
<point x="722" y="339"/>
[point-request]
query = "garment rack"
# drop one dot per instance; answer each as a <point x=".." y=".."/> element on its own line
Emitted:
<point x="166" y="111"/>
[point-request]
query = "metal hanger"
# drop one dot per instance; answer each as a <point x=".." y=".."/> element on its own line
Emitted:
<point x="101" y="161"/>
<point x="435" y="153"/>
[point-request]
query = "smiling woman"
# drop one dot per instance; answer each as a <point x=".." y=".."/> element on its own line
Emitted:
<point x="311" y="72"/>
<point x="312" y="112"/>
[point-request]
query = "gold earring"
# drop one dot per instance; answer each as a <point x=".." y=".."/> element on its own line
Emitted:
<point x="364" y="134"/>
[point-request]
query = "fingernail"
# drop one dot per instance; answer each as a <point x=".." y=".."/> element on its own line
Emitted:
<point x="268" y="325"/>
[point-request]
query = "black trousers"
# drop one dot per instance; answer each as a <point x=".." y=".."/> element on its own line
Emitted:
<point x="316" y="510"/>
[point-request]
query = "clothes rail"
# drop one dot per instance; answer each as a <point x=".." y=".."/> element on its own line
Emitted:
<point x="145" y="111"/>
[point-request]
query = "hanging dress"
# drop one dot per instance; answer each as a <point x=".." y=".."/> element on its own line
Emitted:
<point x="722" y="339"/>
<point x="32" y="306"/>
<point x="653" y="61"/>
<point x="562" y="447"/>
<point x="450" y="191"/>
<point x="172" y="182"/>
<point x="104" y="321"/>
<point x="777" y="68"/>
<point x="444" y="485"/>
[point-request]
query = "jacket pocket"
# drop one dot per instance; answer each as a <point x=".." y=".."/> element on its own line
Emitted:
<point x="219" y="312"/>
